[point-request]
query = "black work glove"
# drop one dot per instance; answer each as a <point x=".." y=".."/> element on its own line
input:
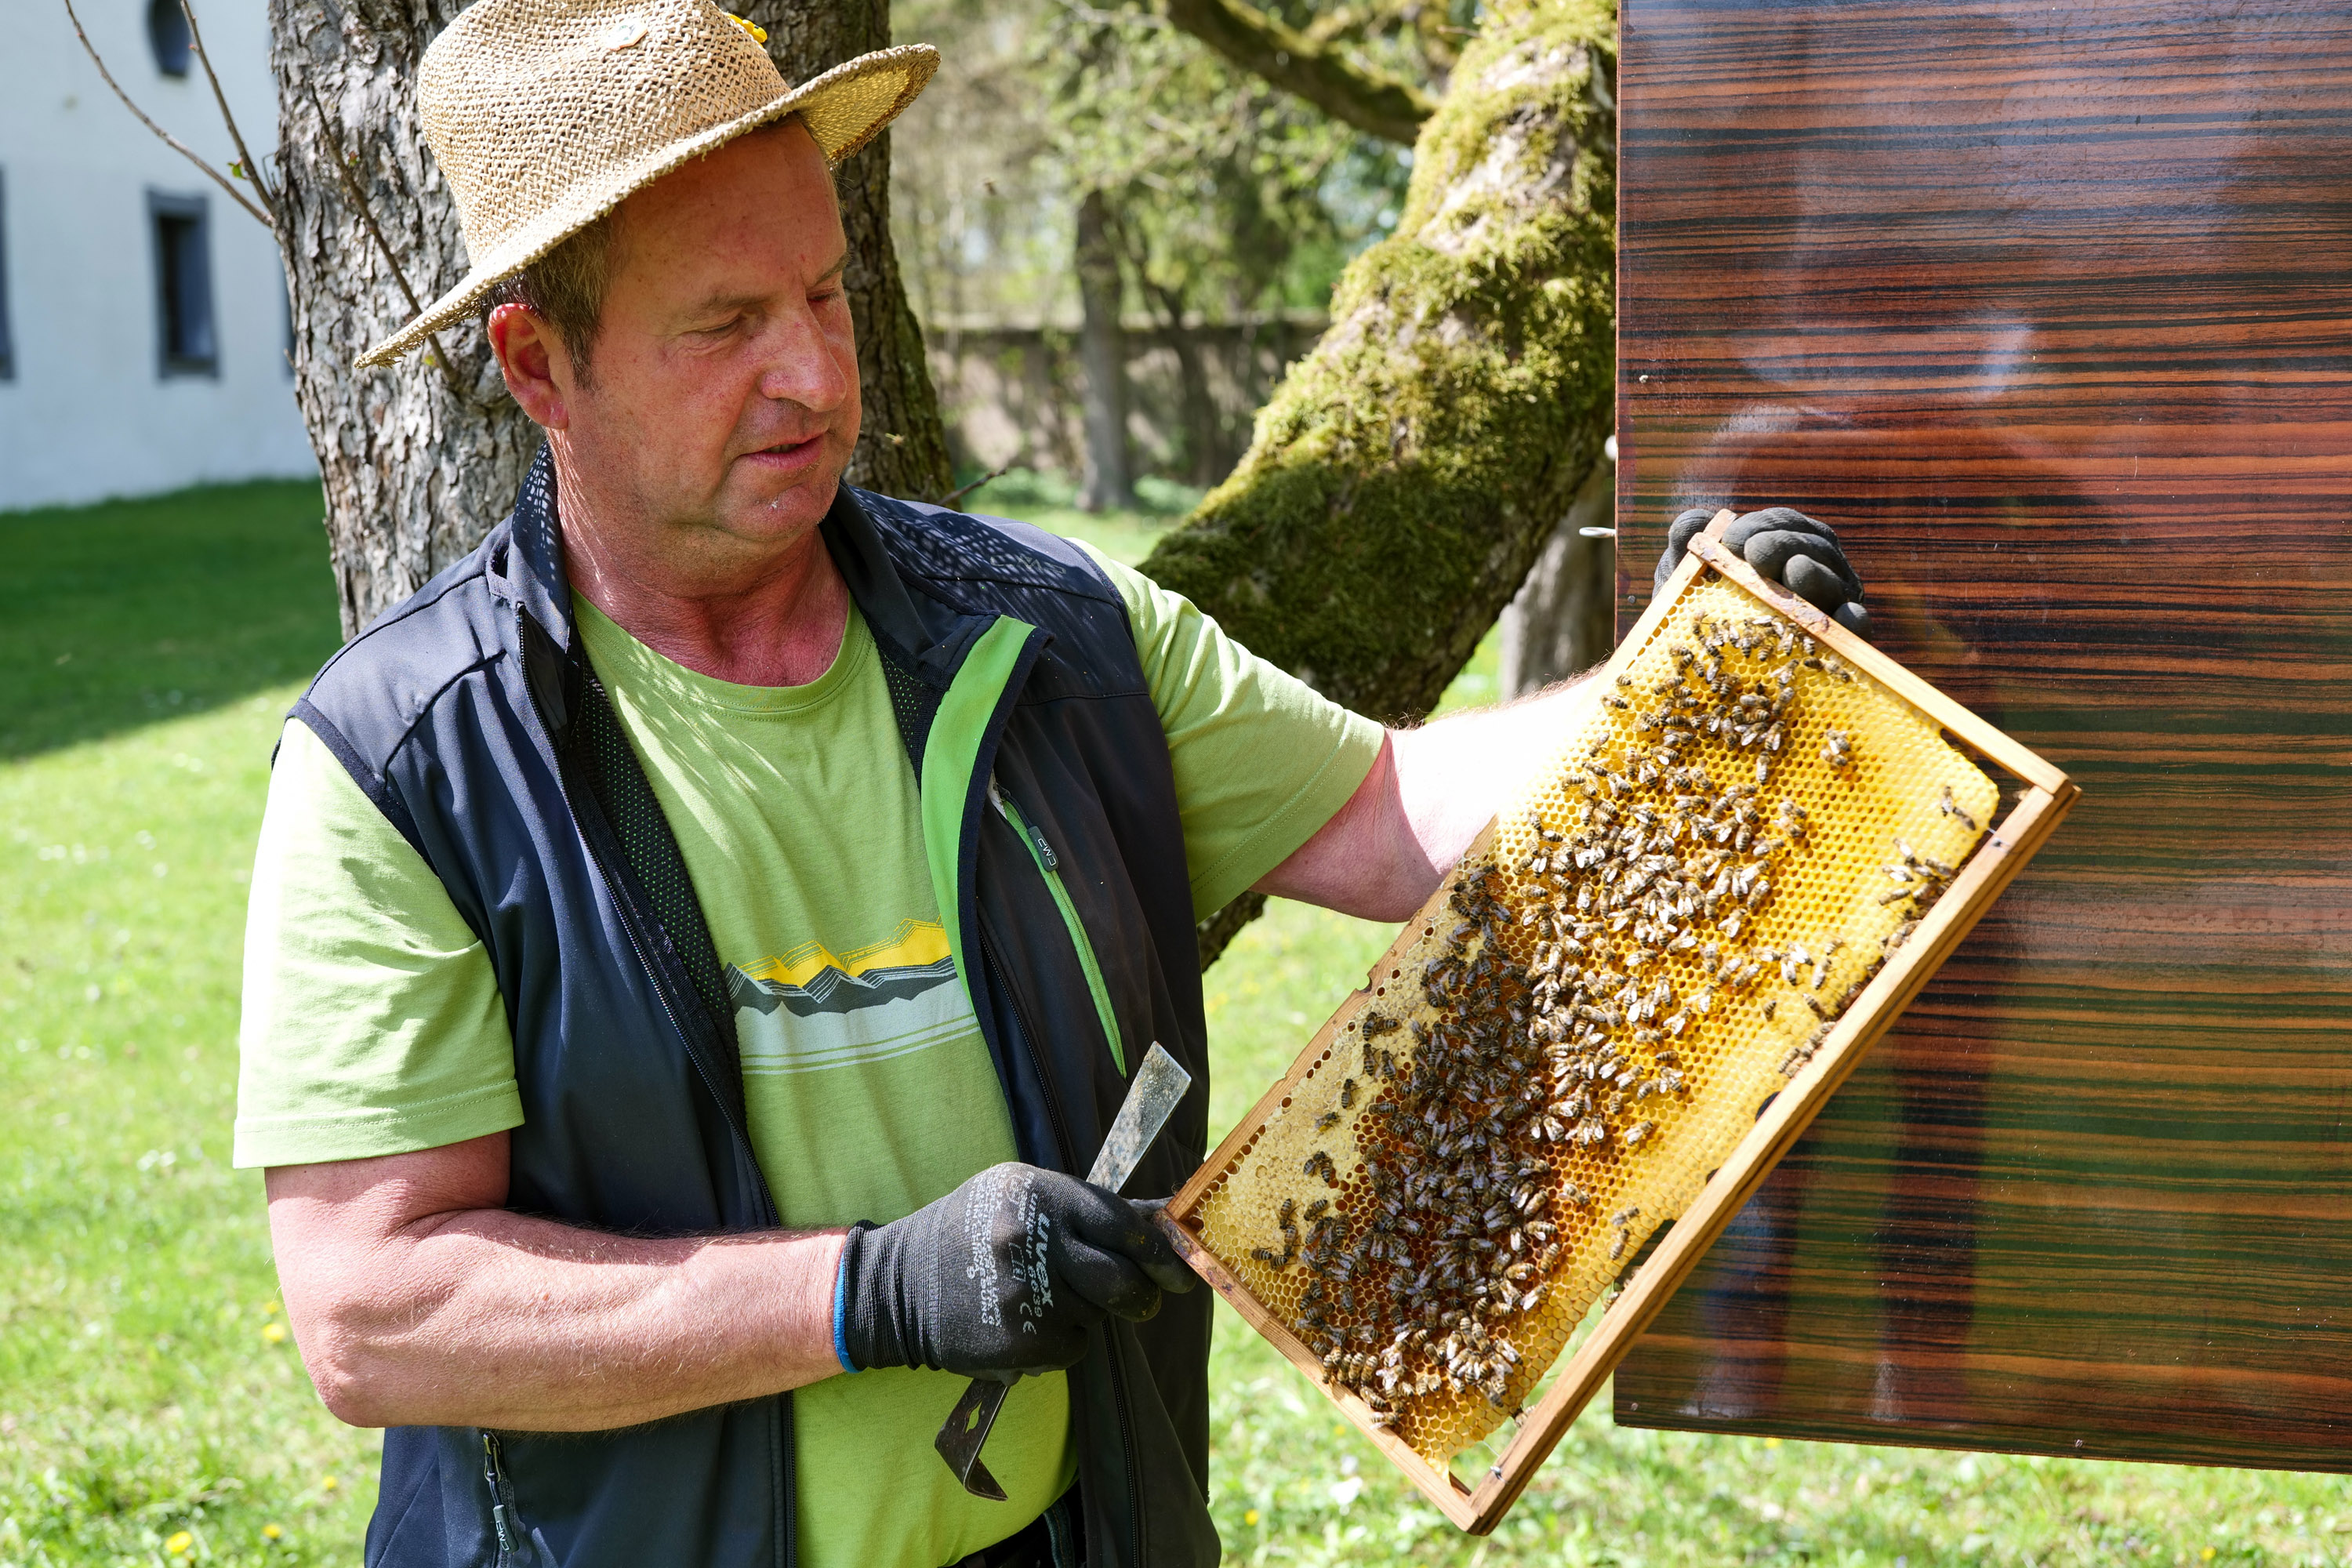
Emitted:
<point x="1004" y="1275"/>
<point x="1788" y="547"/>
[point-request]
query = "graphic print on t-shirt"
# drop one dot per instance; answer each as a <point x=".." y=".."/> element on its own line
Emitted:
<point x="812" y="1008"/>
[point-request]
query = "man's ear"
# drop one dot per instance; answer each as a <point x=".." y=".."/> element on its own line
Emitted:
<point x="536" y="365"/>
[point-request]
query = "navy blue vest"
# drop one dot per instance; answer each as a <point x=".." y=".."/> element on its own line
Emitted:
<point x="473" y="720"/>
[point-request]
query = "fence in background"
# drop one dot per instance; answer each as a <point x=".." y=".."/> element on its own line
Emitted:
<point x="1013" y="394"/>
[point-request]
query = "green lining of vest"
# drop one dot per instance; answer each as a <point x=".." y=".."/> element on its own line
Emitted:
<point x="951" y="759"/>
<point x="1095" y="986"/>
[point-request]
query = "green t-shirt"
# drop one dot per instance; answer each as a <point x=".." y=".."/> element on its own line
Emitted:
<point x="373" y="1024"/>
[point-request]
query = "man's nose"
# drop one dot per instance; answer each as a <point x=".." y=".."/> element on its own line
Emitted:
<point x="804" y="366"/>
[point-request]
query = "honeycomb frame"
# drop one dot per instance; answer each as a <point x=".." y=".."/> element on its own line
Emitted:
<point x="1693" y="1145"/>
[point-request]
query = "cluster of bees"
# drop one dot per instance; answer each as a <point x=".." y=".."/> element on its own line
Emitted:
<point x="1559" y="1010"/>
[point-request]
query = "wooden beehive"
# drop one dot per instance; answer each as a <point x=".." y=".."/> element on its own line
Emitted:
<point x="1618" y="1013"/>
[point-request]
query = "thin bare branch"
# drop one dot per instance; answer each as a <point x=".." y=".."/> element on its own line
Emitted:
<point x="358" y="199"/>
<point x="168" y="140"/>
<point x="957" y="494"/>
<point x="1372" y="101"/>
<point x="245" y="154"/>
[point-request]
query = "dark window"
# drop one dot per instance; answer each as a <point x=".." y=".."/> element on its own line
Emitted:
<point x="167" y="34"/>
<point x="183" y="285"/>
<point x="7" y="341"/>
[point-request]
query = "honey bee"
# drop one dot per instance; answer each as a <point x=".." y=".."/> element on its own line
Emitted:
<point x="1348" y="1095"/>
<point x="1837" y="749"/>
<point x="1328" y="1120"/>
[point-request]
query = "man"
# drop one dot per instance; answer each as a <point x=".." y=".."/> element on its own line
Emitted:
<point x="694" y="937"/>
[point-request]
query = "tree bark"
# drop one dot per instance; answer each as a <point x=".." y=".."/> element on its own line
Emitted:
<point x="420" y="461"/>
<point x="1409" y="470"/>
<point x="1564" y="620"/>
<point x="1102" y="355"/>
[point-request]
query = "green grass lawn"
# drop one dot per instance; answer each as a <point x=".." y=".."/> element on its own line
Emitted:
<point x="147" y="1391"/>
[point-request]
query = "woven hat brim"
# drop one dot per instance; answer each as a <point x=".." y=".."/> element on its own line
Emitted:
<point x="844" y="109"/>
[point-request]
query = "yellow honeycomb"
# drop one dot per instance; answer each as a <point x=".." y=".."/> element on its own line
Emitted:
<point x="1505" y="1178"/>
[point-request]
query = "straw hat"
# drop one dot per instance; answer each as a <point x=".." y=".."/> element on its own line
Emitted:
<point x="544" y="114"/>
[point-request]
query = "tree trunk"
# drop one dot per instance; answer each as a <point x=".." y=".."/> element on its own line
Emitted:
<point x="1204" y="438"/>
<point x="421" y="459"/>
<point x="1409" y="470"/>
<point x="1564" y="620"/>
<point x="1102" y="355"/>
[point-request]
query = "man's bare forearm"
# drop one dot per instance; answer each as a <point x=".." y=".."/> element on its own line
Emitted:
<point x="1426" y="798"/>
<point x="413" y="1313"/>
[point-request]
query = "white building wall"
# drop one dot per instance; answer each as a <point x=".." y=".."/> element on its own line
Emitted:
<point x="87" y="413"/>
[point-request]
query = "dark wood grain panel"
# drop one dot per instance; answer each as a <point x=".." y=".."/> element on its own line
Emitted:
<point x="2049" y="310"/>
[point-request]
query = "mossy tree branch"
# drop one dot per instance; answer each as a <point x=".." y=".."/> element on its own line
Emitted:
<point x="1370" y="99"/>
<point x="1408" y="470"/>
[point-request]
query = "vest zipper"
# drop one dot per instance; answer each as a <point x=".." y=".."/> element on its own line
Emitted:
<point x="1127" y="1452"/>
<point x="502" y="1519"/>
<point x="1049" y="867"/>
<point x="1070" y="1163"/>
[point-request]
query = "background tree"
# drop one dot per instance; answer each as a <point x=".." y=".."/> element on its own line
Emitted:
<point x="1408" y="472"/>
<point x="1373" y="66"/>
<point x="1102" y="353"/>
<point x="1225" y="197"/>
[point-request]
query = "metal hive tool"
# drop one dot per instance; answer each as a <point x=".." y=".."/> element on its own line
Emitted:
<point x="1753" y="848"/>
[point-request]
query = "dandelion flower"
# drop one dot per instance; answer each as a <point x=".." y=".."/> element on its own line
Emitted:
<point x="328" y="1484"/>
<point x="274" y="1332"/>
<point x="1250" y="1518"/>
<point x="271" y="1531"/>
<point x="179" y="1544"/>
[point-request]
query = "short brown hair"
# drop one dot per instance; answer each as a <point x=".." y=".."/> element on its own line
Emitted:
<point x="565" y="289"/>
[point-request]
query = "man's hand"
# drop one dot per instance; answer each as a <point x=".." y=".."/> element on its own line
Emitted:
<point x="1788" y="547"/>
<point x="1003" y="1275"/>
